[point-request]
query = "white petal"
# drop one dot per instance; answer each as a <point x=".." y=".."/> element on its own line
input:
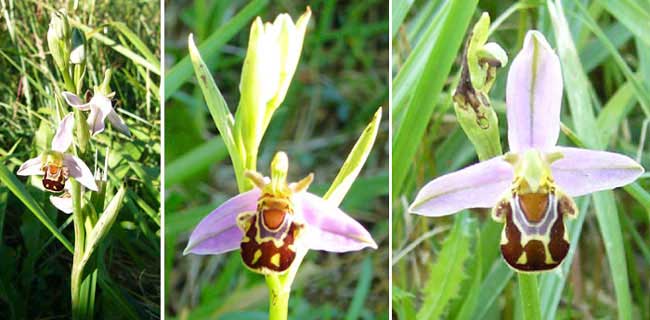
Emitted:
<point x="31" y="167"/>
<point x="79" y="170"/>
<point x="477" y="186"/>
<point x="63" y="137"/>
<point x="74" y="101"/>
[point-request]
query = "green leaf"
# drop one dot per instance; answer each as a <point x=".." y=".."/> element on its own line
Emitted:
<point x="182" y="71"/>
<point x="354" y="162"/>
<point x="630" y="14"/>
<point x="361" y="291"/>
<point x="222" y="117"/>
<point x="434" y="74"/>
<point x="126" y="52"/>
<point x="448" y="272"/>
<point x="136" y="42"/>
<point x="18" y="189"/>
<point x="103" y="225"/>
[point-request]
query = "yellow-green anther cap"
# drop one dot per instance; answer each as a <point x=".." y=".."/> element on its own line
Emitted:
<point x="78" y="53"/>
<point x="279" y="168"/>
<point x="58" y="35"/>
<point x="471" y="98"/>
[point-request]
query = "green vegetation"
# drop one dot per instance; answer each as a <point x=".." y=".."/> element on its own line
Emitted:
<point x="121" y="279"/>
<point x="606" y="68"/>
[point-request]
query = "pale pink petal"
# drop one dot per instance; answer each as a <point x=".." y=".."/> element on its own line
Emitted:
<point x="63" y="137"/>
<point x="218" y="232"/>
<point x="329" y="228"/>
<point x="583" y="171"/>
<point x="100" y="107"/>
<point x="74" y="101"/>
<point x="534" y="96"/>
<point x="62" y="203"/>
<point x="31" y="167"/>
<point x="477" y="186"/>
<point x="118" y="124"/>
<point x="79" y="170"/>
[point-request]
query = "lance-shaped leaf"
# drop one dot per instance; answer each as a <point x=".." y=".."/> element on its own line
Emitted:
<point x="104" y="224"/>
<point x="355" y="161"/>
<point x="221" y="116"/>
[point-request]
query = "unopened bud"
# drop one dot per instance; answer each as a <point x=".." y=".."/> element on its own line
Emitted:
<point x="471" y="99"/>
<point x="78" y="53"/>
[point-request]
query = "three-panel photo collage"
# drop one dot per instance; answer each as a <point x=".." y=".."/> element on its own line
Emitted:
<point x="290" y="159"/>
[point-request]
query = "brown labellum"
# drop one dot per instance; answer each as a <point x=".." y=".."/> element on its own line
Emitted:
<point x="534" y="236"/>
<point x="54" y="178"/>
<point x="269" y="235"/>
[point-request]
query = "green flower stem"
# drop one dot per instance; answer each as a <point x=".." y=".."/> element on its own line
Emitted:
<point x="529" y="296"/>
<point x="79" y="237"/>
<point x="278" y="298"/>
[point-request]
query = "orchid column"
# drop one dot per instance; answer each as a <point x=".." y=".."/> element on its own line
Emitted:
<point x="274" y="223"/>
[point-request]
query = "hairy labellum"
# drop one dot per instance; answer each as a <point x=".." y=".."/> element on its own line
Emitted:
<point x="534" y="237"/>
<point x="55" y="177"/>
<point x="269" y="235"/>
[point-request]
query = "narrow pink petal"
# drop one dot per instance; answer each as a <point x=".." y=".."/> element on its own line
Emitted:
<point x="62" y="203"/>
<point x="218" y="232"/>
<point x="534" y="96"/>
<point x="74" y="101"/>
<point x="477" y="186"/>
<point x="583" y="171"/>
<point x="329" y="228"/>
<point x="118" y="124"/>
<point x="79" y="170"/>
<point x="31" y="167"/>
<point x="63" y="137"/>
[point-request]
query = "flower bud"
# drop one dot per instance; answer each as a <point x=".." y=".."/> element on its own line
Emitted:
<point x="271" y="60"/>
<point x="58" y="35"/>
<point x="78" y="53"/>
<point x="471" y="98"/>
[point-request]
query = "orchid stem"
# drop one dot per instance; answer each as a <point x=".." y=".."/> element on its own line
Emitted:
<point x="79" y="241"/>
<point x="529" y="296"/>
<point x="278" y="298"/>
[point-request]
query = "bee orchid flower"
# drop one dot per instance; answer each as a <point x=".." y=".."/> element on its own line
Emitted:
<point x="530" y="188"/>
<point x="274" y="220"/>
<point x="56" y="166"/>
<point x="101" y="108"/>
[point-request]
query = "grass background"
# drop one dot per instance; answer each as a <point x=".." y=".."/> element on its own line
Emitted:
<point x="34" y="282"/>
<point x="451" y="267"/>
<point x="340" y="82"/>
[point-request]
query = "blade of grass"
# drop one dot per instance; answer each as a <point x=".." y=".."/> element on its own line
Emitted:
<point x="632" y="15"/>
<point x="361" y="290"/>
<point x="448" y="271"/>
<point x="420" y="107"/>
<point x="585" y="124"/>
<point x="182" y="71"/>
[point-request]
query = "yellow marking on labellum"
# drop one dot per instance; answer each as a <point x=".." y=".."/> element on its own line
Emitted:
<point x="522" y="258"/>
<point x="275" y="260"/>
<point x="256" y="257"/>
